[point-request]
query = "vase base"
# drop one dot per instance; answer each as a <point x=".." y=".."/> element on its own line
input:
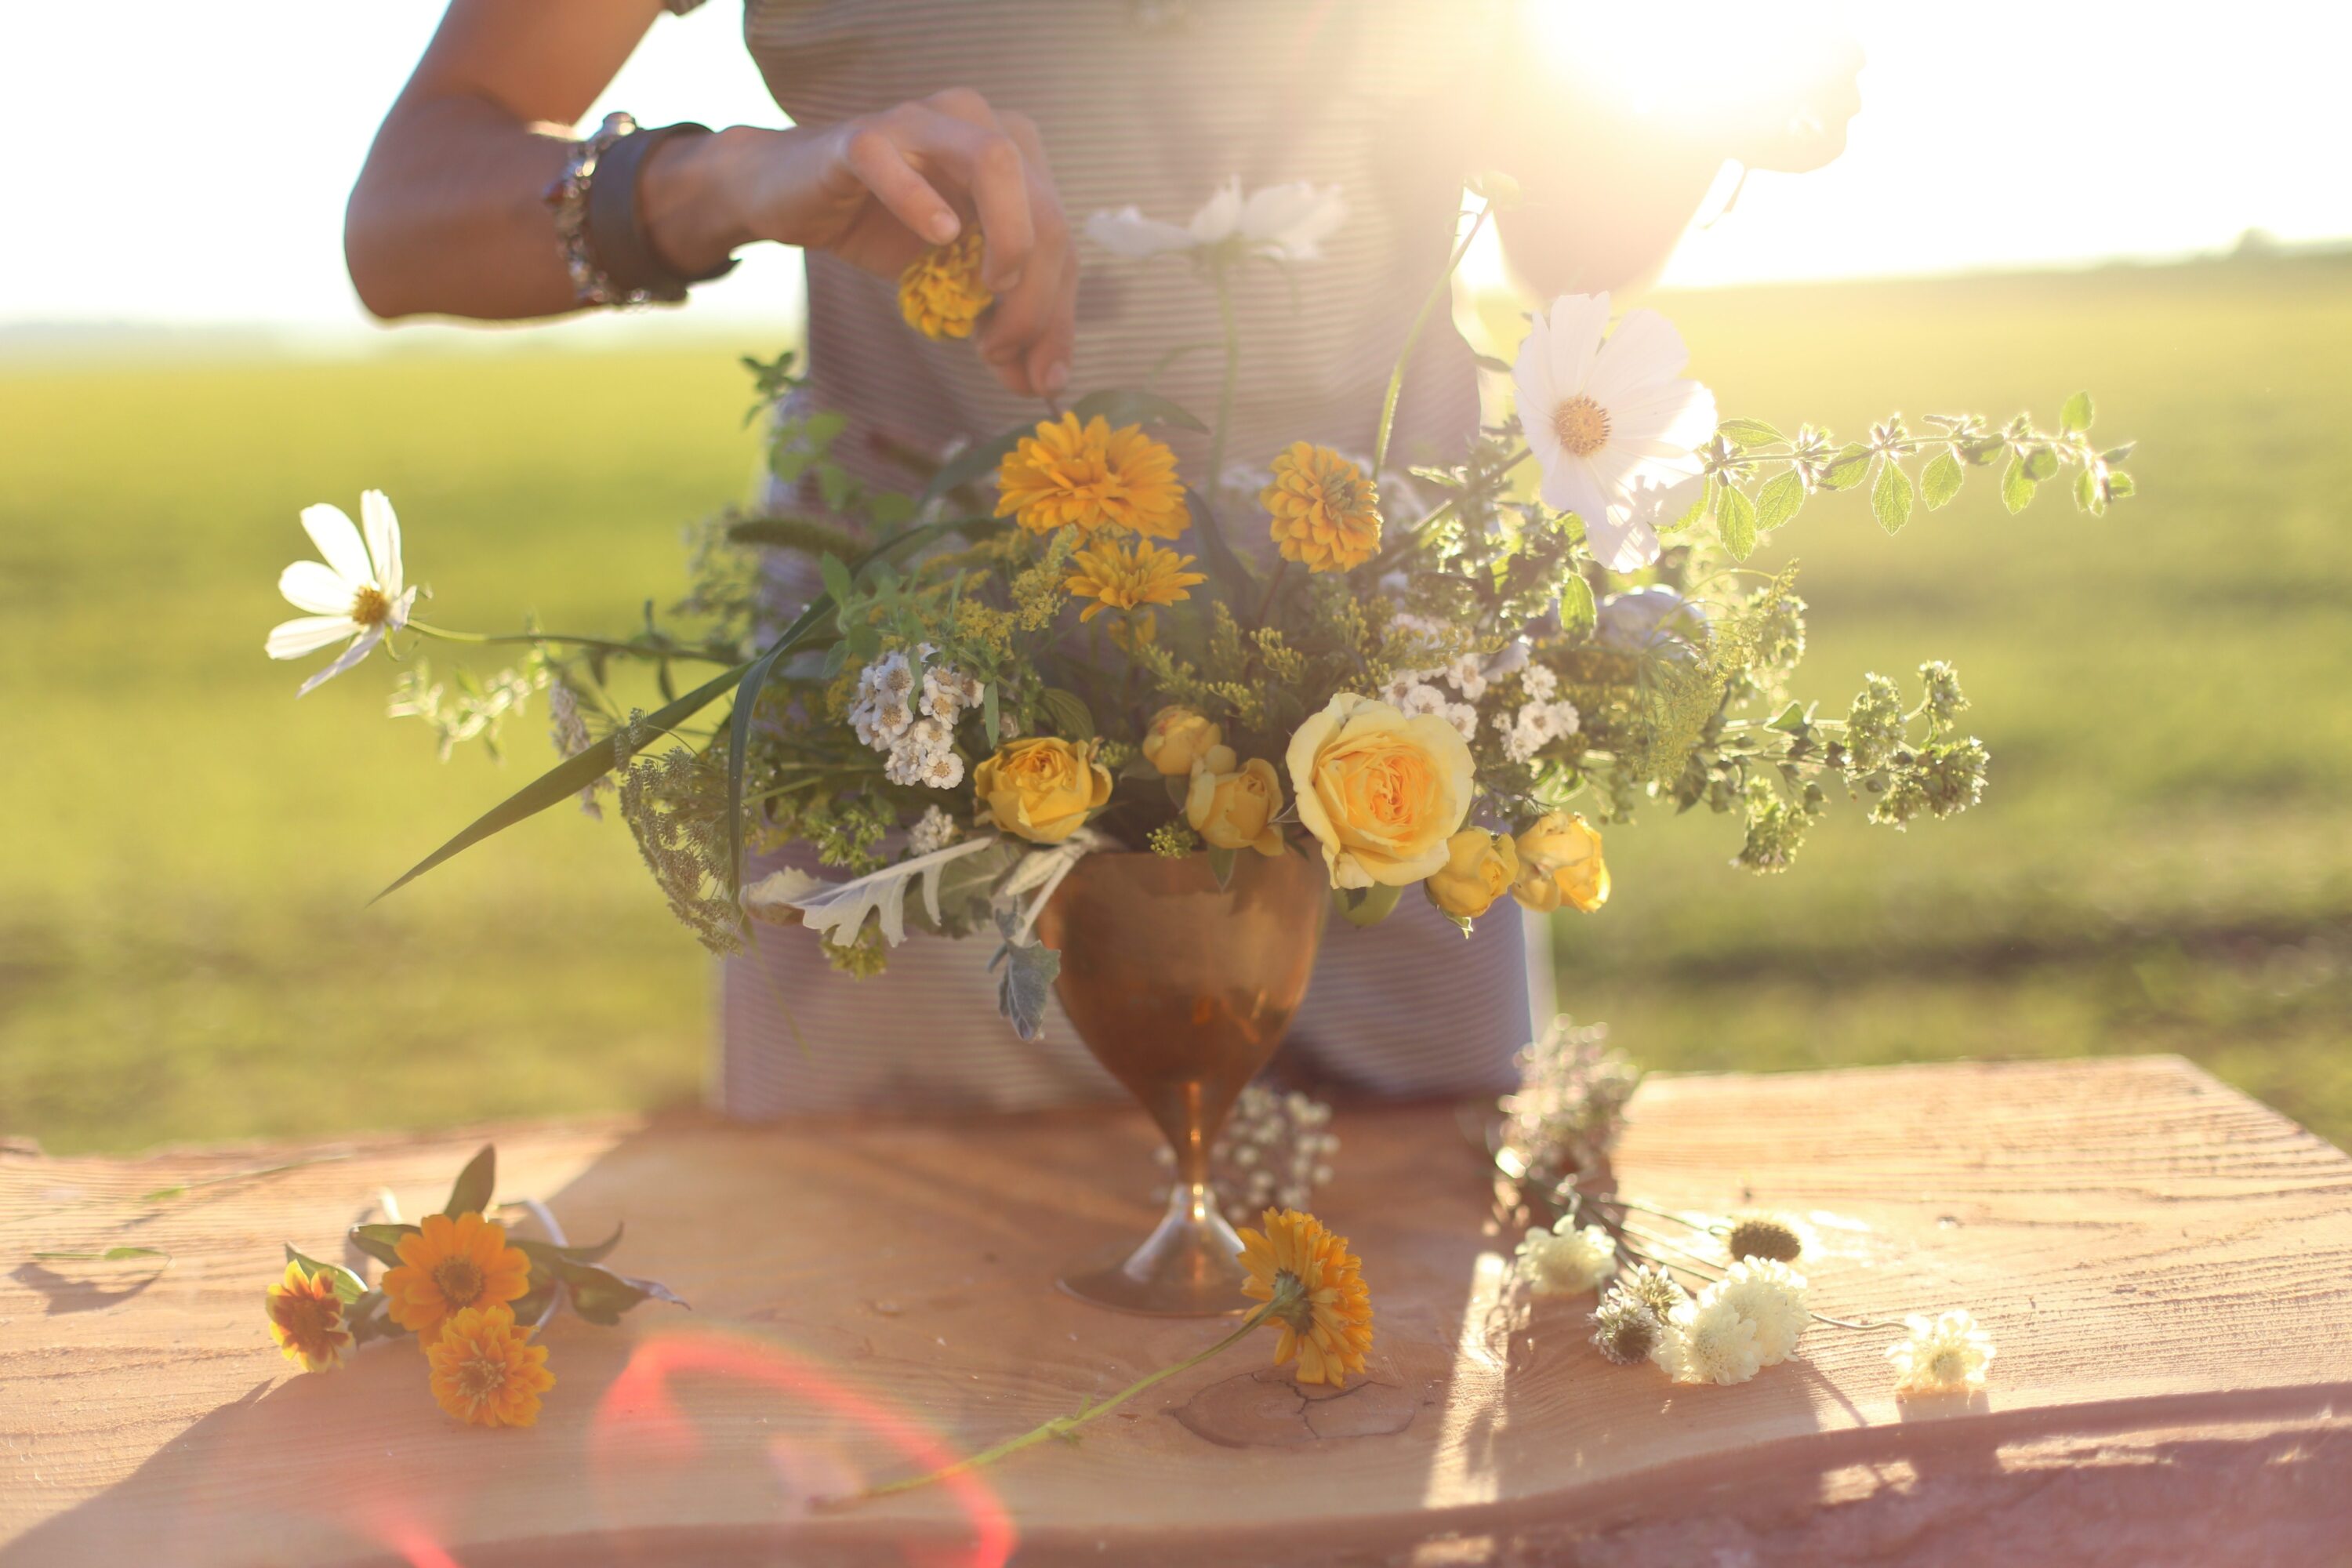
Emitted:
<point x="1189" y="1268"/>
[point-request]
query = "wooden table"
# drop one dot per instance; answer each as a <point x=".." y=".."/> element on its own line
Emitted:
<point x="2166" y="1266"/>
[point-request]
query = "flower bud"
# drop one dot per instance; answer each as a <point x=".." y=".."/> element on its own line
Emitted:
<point x="1177" y="739"/>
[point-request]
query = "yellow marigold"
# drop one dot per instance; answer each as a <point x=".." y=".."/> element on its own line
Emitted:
<point x="450" y="1266"/>
<point x="306" y="1319"/>
<point x="1560" y="862"/>
<point x="1326" y="514"/>
<point x="1317" y="1291"/>
<point x="1118" y="577"/>
<point x="1092" y="478"/>
<point x="486" y="1371"/>
<point x="940" y="293"/>
<point x="1041" y="789"/>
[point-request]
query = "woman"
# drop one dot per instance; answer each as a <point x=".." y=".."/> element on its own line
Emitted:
<point x="915" y="119"/>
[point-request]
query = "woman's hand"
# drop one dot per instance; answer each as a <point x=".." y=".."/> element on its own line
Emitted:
<point x="879" y="191"/>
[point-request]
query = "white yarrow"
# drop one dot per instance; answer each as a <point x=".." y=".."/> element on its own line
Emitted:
<point x="1602" y="416"/>
<point x="356" y="592"/>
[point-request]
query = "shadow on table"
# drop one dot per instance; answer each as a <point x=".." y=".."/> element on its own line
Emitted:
<point x="63" y="1293"/>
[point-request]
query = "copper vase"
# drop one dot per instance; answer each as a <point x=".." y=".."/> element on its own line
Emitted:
<point x="1182" y="990"/>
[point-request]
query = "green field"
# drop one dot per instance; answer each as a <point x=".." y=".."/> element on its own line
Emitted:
<point x="2164" y="861"/>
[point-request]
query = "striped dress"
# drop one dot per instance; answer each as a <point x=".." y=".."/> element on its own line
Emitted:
<point x="1150" y="103"/>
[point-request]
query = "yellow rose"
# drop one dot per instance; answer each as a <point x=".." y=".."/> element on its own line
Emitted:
<point x="1179" y="738"/>
<point x="1560" y="861"/>
<point x="1041" y="788"/>
<point x="1382" y="791"/>
<point x="1235" y="809"/>
<point x="1480" y="868"/>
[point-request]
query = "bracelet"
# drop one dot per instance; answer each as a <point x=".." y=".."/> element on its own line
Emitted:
<point x="606" y="251"/>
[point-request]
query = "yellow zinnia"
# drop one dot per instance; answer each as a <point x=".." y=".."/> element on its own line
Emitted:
<point x="940" y="293"/>
<point x="449" y="1265"/>
<point x="1092" y="478"/>
<point x="487" y="1372"/>
<point x="1326" y="512"/>
<point x="1118" y="577"/>
<point x="1316" y="1289"/>
<point x="306" y="1319"/>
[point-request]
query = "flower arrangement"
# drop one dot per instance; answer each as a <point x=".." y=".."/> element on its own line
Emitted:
<point x="1457" y="677"/>
<point x="472" y="1295"/>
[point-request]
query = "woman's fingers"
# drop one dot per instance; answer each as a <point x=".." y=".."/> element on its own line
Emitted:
<point x="1028" y="335"/>
<point x="881" y="166"/>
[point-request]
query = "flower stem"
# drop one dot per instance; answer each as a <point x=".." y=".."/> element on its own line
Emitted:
<point x="1064" y="1425"/>
<point x="638" y="650"/>
<point x="1233" y="336"/>
<point x="1412" y="337"/>
<point x="1272" y="585"/>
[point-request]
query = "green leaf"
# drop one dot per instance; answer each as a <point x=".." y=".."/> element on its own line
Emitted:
<point x="370" y="1317"/>
<point x="381" y="1241"/>
<point x="1789" y="719"/>
<point x="2040" y="464"/>
<point x="1227" y="567"/>
<point x="111" y="1254"/>
<point x="2087" y="494"/>
<point x="836" y="572"/>
<point x="2075" y="416"/>
<point x="1578" y="613"/>
<point x="2115" y="455"/>
<point x="970" y="464"/>
<point x="1069" y="713"/>
<point x="1890" y="498"/>
<point x="1748" y="432"/>
<point x="1848" y="469"/>
<point x="988" y="714"/>
<point x="2016" y="487"/>
<point x="1736" y="518"/>
<point x="349" y="1287"/>
<point x="2120" y="485"/>
<point x="470" y="1194"/>
<point x="1499" y="367"/>
<point x="601" y="1296"/>
<point x="1027" y="980"/>
<point x="1221" y="866"/>
<point x="1779" y="500"/>
<point x="1122" y="406"/>
<point x="1368" y="906"/>
<point x="1941" y="481"/>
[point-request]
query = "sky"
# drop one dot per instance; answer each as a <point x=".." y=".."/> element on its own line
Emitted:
<point x="191" y="160"/>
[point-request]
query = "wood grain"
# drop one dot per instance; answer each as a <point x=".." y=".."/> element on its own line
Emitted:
<point x="2163" y="1263"/>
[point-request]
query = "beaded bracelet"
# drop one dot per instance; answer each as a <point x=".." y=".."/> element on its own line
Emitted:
<point x="606" y="251"/>
<point x="567" y="198"/>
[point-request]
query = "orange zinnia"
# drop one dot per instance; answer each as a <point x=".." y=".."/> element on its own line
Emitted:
<point x="1325" y="512"/>
<point x="940" y="293"/>
<point x="306" y="1319"/>
<point x="1092" y="478"/>
<point x="452" y="1265"/>
<point x="487" y="1372"/>
<point x="1319" y="1301"/>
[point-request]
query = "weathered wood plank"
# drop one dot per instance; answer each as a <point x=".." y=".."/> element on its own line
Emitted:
<point x="2161" y="1260"/>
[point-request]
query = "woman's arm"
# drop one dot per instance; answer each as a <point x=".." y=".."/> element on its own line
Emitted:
<point x="448" y="217"/>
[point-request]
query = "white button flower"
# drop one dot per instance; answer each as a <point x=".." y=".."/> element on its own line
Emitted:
<point x="1290" y="222"/>
<point x="1946" y="1354"/>
<point x="356" y="594"/>
<point x="1600" y="415"/>
<point x="1565" y="1260"/>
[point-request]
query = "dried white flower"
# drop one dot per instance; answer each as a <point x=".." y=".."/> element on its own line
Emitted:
<point x="1771" y="1295"/>
<point x="1945" y="1354"/>
<point x="1710" y="1341"/>
<point x="1564" y="1260"/>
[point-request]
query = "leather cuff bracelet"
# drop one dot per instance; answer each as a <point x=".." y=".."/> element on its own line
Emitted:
<point x="605" y="248"/>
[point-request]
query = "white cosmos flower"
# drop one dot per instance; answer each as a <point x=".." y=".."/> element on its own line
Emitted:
<point x="1626" y="539"/>
<point x="1600" y="415"/>
<point x="1288" y="221"/>
<point x="356" y="594"/>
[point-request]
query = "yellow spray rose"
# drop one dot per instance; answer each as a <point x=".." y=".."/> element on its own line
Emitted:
<point x="1041" y="788"/>
<point x="1179" y="738"/>
<point x="1382" y="791"/>
<point x="1480" y="868"/>
<point x="1559" y="862"/>
<point x="1233" y="808"/>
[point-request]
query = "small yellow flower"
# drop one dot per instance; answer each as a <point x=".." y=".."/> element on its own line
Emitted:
<point x="1233" y="808"/>
<point x="1480" y="868"/>
<point x="1092" y="478"/>
<point x="486" y="1372"/>
<point x="1041" y="789"/>
<point x="306" y="1319"/>
<point x="1326" y="512"/>
<point x="1317" y="1289"/>
<point x="1179" y="738"/>
<point x="1116" y="577"/>
<point x="1383" y="794"/>
<point x="449" y="1265"/>
<point x="940" y="293"/>
<point x="1560" y="862"/>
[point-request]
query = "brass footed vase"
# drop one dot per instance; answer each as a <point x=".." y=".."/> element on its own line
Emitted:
<point x="1183" y="991"/>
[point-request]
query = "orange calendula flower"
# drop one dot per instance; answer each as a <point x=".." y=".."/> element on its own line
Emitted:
<point x="487" y="1372"/>
<point x="306" y="1319"/>
<point x="940" y="293"/>
<point x="1326" y="514"/>
<point x="1317" y="1292"/>
<point x="1092" y="478"/>
<point x="1117" y="576"/>
<point x="451" y="1266"/>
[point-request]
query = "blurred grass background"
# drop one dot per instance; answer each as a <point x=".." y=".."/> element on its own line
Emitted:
<point x="2164" y="861"/>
